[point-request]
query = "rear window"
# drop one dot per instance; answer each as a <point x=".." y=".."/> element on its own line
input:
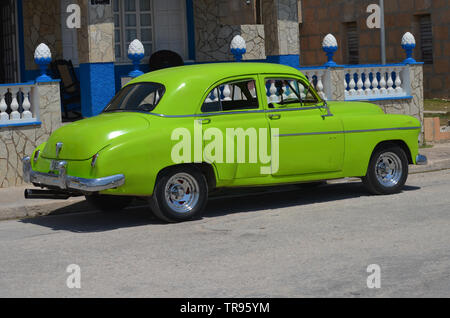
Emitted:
<point x="139" y="97"/>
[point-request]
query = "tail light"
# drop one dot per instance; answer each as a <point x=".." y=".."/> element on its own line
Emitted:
<point x="94" y="160"/>
<point x="36" y="155"/>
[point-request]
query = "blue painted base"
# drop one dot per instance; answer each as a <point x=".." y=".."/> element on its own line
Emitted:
<point x="97" y="87"/>
<point x="290" y="60"/>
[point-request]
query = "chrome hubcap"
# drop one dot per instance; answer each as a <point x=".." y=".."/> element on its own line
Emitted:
<point x="182" y="193"/>
<point x="389" y="169"/>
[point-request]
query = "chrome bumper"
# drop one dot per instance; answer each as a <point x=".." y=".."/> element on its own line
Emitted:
<point x="63" y="181"/>
<point x="421" y="160"/>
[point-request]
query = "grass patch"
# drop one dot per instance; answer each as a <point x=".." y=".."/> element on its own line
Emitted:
<point x="437" y="104"/>
<point x="425" y="146"/>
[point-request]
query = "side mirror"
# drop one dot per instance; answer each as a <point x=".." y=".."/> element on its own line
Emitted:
<point x="329" y="114"/>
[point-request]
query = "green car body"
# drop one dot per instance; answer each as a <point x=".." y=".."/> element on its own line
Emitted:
<point x="317" y="142"/>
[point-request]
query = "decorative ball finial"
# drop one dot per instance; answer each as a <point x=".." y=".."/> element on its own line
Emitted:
<point x="330" y="46"/>
<point x="238" y="47"/>
<point x="136" y="53"/>
<point x="43" y="57"/>
<point x="408" y="44"/>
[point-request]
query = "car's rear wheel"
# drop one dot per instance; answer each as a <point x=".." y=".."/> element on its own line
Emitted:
<point x="180" y="195"/>
<point x="108" y="203"/>
<point x="387" y="172"/>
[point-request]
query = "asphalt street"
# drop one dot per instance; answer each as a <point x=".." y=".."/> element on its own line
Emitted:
<point x="292" y="242"/>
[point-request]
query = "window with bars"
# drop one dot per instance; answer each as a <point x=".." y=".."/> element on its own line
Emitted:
<point x="133" y="19"/>
<point x="426" y="38"/>
<point x="351" y="30"/>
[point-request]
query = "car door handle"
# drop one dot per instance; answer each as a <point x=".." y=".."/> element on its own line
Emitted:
<point x="275" y="116"/>
<point x="204" y="121"/>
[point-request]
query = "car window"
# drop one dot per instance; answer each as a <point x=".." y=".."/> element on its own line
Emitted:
<point x="289" y="93"/>
<point x="232" y="96"/>
<point x="137" y="97"/>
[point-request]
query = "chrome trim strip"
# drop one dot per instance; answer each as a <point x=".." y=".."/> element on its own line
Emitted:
<point x="421" y="160"/>
<point x="63" y="181"/>
<point x="346" y="131"/>
<point x="256" y="111"/>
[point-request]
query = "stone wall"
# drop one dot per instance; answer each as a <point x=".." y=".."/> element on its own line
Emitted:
<point x="213" y="31"/>
<point x="42" y="24"/>
<point x="414" y="106"/>
<point x="280" y="19"/>
<point x="18" y="142"/>
<point x="96" y="35"/>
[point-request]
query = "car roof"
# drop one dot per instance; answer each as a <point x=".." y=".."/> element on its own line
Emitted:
<point x="191" y="82"/>
<point x="222" y="70"/>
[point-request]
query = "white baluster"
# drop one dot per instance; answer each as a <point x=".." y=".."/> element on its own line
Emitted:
<point x="360" y="83"/>
<point x="226" y="93"/>
<point x="15" y="115"/>
<point x="398" y="81"/>
<point x="367" y="83"/>
<point x="375" y="90"/>
<point x="301" y="90"/>
<point x="383" y="89"/>
<point x="286" y="91"/>
<point x="291" y="90"/>
<point x="214" y="97"/>
<point x="273" y="92"/>
<point x="26" y="105"/>
<point x="352" y="85"/>
<point x="390" y="82"/>
<point x="3" y="107"/>
<point x="252" y="91"/>
<point x="319" y="85"/>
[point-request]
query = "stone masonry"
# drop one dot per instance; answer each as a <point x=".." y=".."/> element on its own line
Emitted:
<point x="18" y="142"/>
<point x="213" y="33"/>
<point x="42" y="24"/>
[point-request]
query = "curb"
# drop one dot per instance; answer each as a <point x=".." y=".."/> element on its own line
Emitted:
<point x="22" y="209"/>
<point x="431" y="166"/>
<point x="32" y="211"/>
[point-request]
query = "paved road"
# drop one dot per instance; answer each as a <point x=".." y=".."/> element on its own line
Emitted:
<point x="291" y="243"/>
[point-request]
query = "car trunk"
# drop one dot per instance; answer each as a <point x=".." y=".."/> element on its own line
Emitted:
<point x="81" y="140"/>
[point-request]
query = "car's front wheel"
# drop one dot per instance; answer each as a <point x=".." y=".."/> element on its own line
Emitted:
<point x="108" y="203"/>
<point x="180" y="195"/>
<point x="387" y="172"/>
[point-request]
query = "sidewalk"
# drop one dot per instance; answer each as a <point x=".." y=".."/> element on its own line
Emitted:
<point x="438" y="158"/>
<point x="13" y="205"/>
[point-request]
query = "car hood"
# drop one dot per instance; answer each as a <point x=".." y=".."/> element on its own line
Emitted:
<point x="81" y="140"/>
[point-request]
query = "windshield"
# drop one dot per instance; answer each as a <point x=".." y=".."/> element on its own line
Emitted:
<point x="139" y="97"/>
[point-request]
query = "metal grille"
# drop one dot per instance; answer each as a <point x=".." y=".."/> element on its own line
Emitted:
<point x="8" y="63"/>
<point x="426" y="39"/>
<point x="352" y="43"/>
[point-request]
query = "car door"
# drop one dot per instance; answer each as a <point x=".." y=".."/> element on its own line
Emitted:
<point x="235" y="129"/>
<point x="310" y="139"/>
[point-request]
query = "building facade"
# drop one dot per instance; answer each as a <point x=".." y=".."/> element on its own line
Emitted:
<point x="198" y="30"/>
<point x="428" y="20"/>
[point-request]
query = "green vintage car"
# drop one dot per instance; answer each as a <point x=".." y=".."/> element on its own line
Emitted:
<point x="174" y="135"/>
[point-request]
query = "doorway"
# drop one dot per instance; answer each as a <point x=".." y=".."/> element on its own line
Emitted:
<point x="9" y="53"/>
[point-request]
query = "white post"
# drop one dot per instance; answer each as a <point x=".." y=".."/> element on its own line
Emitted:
<point x="15" y="115"/>
<point x="367" y="82"/>
<point x="26" y="105"/>
<point x="3" y="107"/>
